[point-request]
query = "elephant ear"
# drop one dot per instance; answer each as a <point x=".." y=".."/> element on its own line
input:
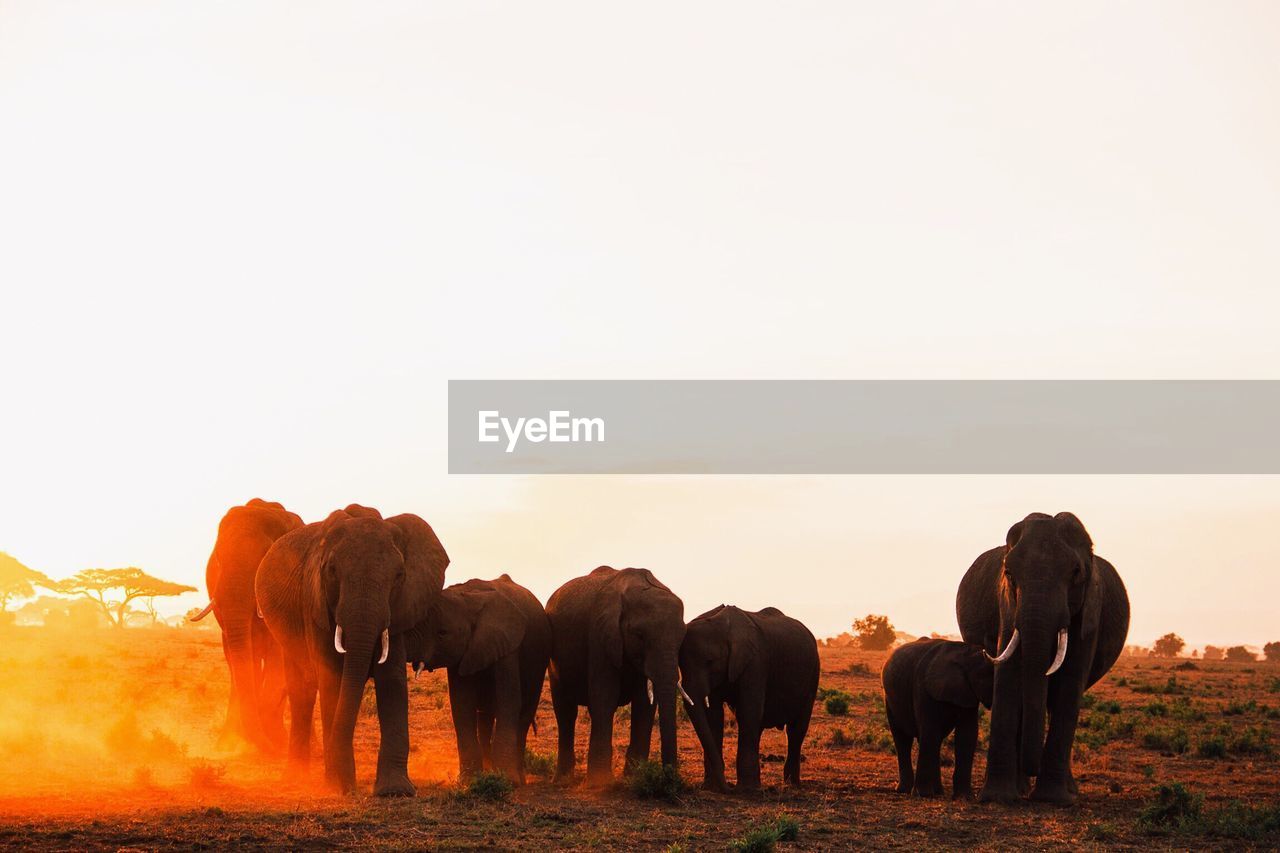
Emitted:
<point x="945" y="681"/>
<point x="1072" y="532"/>
<point x="497" y="630"/>
<point x="606" y="624"/>
<point x="744" y="641"/>
<point x="425" y="562"/>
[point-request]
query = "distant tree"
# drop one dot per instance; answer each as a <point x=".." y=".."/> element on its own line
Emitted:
<point x="17" y="581"/>
<point x="1168" y="646"/>
<point x="1271" y="651"/>
<point x="875" y="633"/>
<point x="1239" y="654"/>
<point x="131" y="583"/>
<point x="1212" y="653"/>
<point x="1195" y="653"/>
<point x="72" y="613"/>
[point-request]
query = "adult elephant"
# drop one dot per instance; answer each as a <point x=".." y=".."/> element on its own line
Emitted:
<point x="495" y="640"/>
<point x="1054" y="616"/>
<point x="765" y="666"/>
<point x="338" y="595"/>
<point x="245" y="534"/>
<point x="616" y="638"/>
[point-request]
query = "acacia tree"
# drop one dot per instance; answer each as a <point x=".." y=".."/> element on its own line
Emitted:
<point x="1271" y="651"/>
<point x="131" y="583"/>
<point x="17" y="581"/>
<point x="1168" y="646"/>
<point x="875" y="633"/>
<point x="1212" y="653"/>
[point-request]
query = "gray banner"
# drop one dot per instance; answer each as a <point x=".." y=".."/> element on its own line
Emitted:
<point x="863" y="427"/>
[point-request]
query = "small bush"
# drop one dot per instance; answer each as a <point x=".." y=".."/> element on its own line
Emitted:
<point x="1173" y="740"/>
<point x="1214" y="747"/>
<point x="206" y="774"/>
<point x="764" y="838"/>
<point x="653" y="780"/>
<point x="1236" y="708"/>
<point x="837" y="706"/>
<point x="840" y="738"/>
<point x="1173" y="809"/>
<point x="1252" y="741"/>
<point x="859" y="668"/>
<point x="1157" y="709"/>
<point x="538" y="764"/>
<point x="1109" y="706"/>
<point x="1186" y="666"/>
<point x="491" y="786"/>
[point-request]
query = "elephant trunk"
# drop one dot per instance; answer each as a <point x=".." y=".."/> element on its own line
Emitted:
<point x="361" y="644"/>
<point x="712" y="759"/>
<point x="664" y="675"/>
<point x="1039" y="645"/>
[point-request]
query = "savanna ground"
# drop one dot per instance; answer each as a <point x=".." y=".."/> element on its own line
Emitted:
<point x="110" y="741"/>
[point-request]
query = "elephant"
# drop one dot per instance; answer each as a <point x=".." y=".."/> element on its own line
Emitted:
<point x="932" y="687"/>
<point x="1054" y="616"/>
<point x="494" y="639"/>
<point x="255" y="709"/>
<point x="338" y="596"/>
<point x="765" y="666"/>
<point x="615" y="639"/>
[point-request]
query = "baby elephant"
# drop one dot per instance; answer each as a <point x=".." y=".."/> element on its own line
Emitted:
<point x="494" y="639"/>
<point x="930" y="688"/>
<point x="765" y="666"/>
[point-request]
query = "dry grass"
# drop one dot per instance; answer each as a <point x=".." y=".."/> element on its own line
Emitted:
<point x="110" y="742"/>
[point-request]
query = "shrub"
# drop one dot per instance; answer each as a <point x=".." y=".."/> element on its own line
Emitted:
<point x="1186" y="666"/>
<point x="1252" y="741"/>
<point x="1214" y="747"/>
<point x="1173" y="809"/>
<point x="859" y="668"/>
<point x="206" y="774"/>
<point x="489" y="785"/>
<point x="538" y="764"/>
<point x="1168" y="646"/>
<point x="840" y="738"/>
<point x="653" y="780"/>
<point x="1173" y="740"/>
<point x="1239" y="654"/>
<point x="1109" y="706"/>
<point x="1157" y="709"/>
<point x="764" y="838"/>
<point x="837" y="705"/>
<point x="1235" y="708"/>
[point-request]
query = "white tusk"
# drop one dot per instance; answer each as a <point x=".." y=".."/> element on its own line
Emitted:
<point x="260" y="616"/>
<point x="687" y="699"/>
<point x="337" y="640"/>
<point x="1062" y="652"/>
<point x="202" y="613"/>
<point x="417" y="670"/>
<point x="1008" y="650"/>
<point x="706" y="700"/>
<point x="386" y="645"/>
<point x="648" y="686"/>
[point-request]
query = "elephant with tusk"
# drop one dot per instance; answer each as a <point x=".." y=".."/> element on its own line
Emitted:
<point x="764" y="665"/>
<point x="1053" y="618"/>
<point x="616" y="638"/>
<point x="338" y="596"/>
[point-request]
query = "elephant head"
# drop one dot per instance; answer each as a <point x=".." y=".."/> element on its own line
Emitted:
<point x="471" y="627"/>
<point x="964" y="679"/>
<point x="1047" y="568"/>
<point x="640" y="622"/>
<point x="373" y="577"/>
<point x="718" y="646"/>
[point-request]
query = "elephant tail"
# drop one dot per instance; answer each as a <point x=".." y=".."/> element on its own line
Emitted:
<point x="202" y="613"/>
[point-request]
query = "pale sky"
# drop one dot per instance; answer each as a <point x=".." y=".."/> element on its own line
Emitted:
<point x="244" y="245"/>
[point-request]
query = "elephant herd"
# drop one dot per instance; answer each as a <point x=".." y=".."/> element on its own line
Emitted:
<point x="316" y="610"/>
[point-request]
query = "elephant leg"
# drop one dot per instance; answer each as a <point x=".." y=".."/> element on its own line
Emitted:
<point x="504" y="730"/>
<point x="1055" y="784"/>
<point x="231" y="725"/>
<point x="796" y="731"/>
<point x="302" y="701"/>
<point x="966" y="743"/>
<point x="485" y="720"/>
<point x="274" y="689"/>
<point x="602" y="702"/>
<point x="929" y="763"/>
<point x="1003" y="765"/>
<point x="328" y="685"/>
<point x="642" y="713"/>
<point x="391" y="688"/>
<point x="902" y="741"/>
<point x="463" y="702"/>
<point x="566" y="721"/>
